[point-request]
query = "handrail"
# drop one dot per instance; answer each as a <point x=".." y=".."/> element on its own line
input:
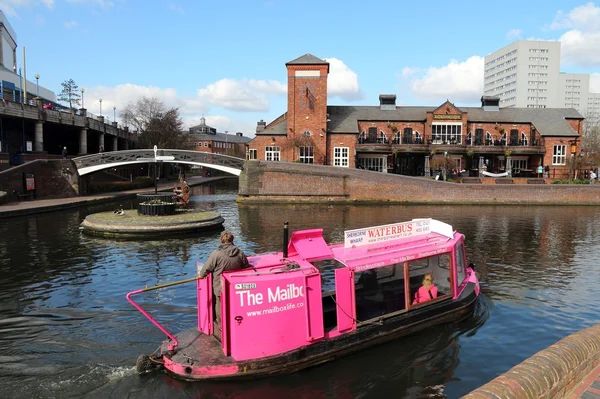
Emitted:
<point x="170" y="346"/>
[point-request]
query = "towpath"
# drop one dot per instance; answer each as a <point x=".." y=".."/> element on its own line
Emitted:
<point x="27" y="207"/>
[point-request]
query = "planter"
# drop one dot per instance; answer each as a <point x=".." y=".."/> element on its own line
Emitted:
<point x="159" y="204"/>
<point x="157" y="209"/>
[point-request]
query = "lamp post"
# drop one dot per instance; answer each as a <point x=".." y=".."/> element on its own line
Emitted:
<point x="114" y="113"/>
<point x="445" y="165"/>
<point x="100" y="106"/>
<point x="82" y="91"/>
<point x="37" y="83"/>
<point x="573" y="146"/>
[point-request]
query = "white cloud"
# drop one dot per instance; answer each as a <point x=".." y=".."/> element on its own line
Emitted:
<point x="101" y="3"/>
<point x="342" y="81"/>
<point x="586" y="17"/>
<point x="70" y="24"/>
<point x="242" y="95"/>
<point x="121" y="95"/>
<point x="514" y="34"/>
<point x="581" y="41"/>
<point x="595" y="82"/>
<point x="457" y="81"/>
<point x="10" y="6"/>
<point x="176" y="8"/>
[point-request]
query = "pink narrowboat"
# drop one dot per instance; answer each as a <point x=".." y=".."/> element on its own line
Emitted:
<point x="314" y="302"/>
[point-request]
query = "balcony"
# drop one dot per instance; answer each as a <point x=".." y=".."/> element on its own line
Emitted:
<point x="456" y="144"/>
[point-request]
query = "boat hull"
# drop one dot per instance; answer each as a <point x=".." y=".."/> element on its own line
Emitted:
<point x="200" y="357"/>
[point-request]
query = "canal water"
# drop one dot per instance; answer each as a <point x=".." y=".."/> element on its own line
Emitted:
<point x="67" y="331"/>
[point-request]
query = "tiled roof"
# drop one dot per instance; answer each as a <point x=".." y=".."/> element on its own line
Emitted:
<point x="275" y="130"/>
<point x="307" y="59"/>
<point x="547" y="121"/>
<point x="230" y="138"/>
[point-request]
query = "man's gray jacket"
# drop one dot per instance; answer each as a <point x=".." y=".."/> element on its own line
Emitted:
<point x="226" y="257"/>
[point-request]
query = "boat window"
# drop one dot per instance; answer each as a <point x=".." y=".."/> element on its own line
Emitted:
<point x="439" y="267"/>
<point x="327" y="269"/>
<point x="379" y="291"/>
<point x="460" y="264"/>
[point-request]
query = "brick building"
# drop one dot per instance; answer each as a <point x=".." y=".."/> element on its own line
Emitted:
<point x="206" y="139"/>
<point x="413" y="140"/>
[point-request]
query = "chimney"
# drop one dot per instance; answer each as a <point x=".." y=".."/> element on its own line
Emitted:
<point x="490" y="103"/>
<point x="387" y="102"/>
<point x="260" y="126"/>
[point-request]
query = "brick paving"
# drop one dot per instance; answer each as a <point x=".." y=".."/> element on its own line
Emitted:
<point x="27" y="207"/>
<point x="588" y="388"/>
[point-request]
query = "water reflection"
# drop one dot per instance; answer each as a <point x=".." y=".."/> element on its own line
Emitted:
<point x="67" y="331"/>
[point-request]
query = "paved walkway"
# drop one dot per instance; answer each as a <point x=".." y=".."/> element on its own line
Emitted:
<point x="589" y="388"/>
<point x="27" y="207"/>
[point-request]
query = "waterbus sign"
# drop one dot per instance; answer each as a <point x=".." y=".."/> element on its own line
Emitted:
<point x="389" y="232"/>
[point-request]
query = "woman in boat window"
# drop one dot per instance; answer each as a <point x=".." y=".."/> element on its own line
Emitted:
<point x="427" y="291"/>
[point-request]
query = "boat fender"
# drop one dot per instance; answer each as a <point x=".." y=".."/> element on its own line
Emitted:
<point x="147" y="363"/>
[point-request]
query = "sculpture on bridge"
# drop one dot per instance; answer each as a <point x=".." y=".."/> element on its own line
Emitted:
<point x="182" y="192"/>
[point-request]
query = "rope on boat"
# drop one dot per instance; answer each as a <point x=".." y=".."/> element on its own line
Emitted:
<point x="358" y="322"/>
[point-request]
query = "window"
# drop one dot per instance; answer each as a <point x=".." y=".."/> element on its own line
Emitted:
<point x="449" y="133"/>
<point x="306" y="133"/>
<point x="524" y="140"/>
<point x="370" y="286"/>
<point x="252" y="153"/>
<point x="272" y="153"/>
<point x="440" y="268"/>
<point x="489" y="139"/>
<point x="461" y="272"/>
<point x="362" y="137"/>
<point x="396" y="139"/>
<point x="382" y="138"/>
<point x="306" y="154"/>
<point x="559" y="155"/>
<point x="341" y="156"/>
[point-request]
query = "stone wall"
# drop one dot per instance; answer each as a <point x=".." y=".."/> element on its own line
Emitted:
<point x="53" y="179"/>
<point x="292" y="182"/>
<point x="550" y="373"/>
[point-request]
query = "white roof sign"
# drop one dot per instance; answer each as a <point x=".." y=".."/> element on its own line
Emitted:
<point x="390" y="232"/>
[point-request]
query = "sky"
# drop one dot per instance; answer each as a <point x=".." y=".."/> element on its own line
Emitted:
<point x="225" y="60"/>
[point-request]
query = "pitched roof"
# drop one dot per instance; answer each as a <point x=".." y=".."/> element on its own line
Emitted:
<point x="547" y="121"/>
<point x="307" y="59"/>
<point x="230" y="138"/>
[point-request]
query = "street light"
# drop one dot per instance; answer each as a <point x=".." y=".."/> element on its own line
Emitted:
<point x="82" y="91"/>
<point x="114" y="113"/>
<point x="37" y="82"/>
<point x="573" y="147"/>
<point x="100" y="106"/>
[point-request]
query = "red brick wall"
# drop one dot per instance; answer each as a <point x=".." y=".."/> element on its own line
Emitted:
<point x="282" y="181"/>
<point x="51" y="179"/>
<point x="303" y="118"/>
<point x="557" y="171"/>
<point x="342" y="140"/>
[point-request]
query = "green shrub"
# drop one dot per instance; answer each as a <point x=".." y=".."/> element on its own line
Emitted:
<point x="574" y="181"/>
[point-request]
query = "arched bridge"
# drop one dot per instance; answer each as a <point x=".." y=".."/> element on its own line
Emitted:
<point x="104" y="160"/>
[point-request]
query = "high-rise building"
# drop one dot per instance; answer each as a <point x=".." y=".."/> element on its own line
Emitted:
<point x="526" y="74"/>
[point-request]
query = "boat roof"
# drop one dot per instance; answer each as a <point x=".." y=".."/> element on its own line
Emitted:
<point x="370" y="247"/>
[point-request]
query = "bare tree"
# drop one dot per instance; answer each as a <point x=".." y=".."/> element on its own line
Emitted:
<point x="139" y="114"/>
<point x="164" y="130"/>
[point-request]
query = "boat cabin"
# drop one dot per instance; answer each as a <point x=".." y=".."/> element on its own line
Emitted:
<point x="313" y="291"/>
